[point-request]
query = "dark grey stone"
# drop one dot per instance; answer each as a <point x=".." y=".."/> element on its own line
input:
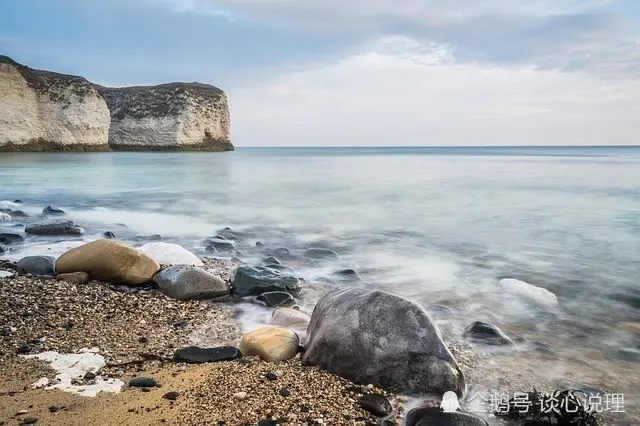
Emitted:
<point x="220" y="244"/>
<point x="52" y="211"/>
<point x="9" y="238"/>
<point x="271" y="260"/>
<point x="171" y="396"/>
<point x="487" y="334"/>
<point x="321" y="253"/>
<point x="272" y="299"/>
<point x="109" y="235"/>
<point x="379" y="338"/>
<point x="56" y="228"/>
<point x="347" y="275"/>
<point x="18" y="213"/>
<point x="436" y="417"/>
<point x="143" y="382"/>
<point x="2" y="248"/>
<point x="254" y="280"/>
<point x="185" y="282"/>
<point x="37" y="265"/>
<point x="196" y="355"/>
<point x="376" y="404"/>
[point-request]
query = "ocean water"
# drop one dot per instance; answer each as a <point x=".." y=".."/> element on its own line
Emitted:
<point x="437" y="225"/>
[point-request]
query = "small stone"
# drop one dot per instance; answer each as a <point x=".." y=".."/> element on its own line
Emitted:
<point x="182" y="368"/>
<point x="90" y="375"/>
<point x="24" y="349"/>
<point x="54" y="409"/>
<point x="118" y="373"/>
<point x="285" y="392"/>
<point x="109" y="235"/>
<point x="196" y="355"/>
<point x="30" y="420"/>
<point x="74" y="277"/>
<point x="171" y="396"/>
<point x="271" y="376"/>
<point x="145" y="389"/>
<point x="142" y="382"/>
<point x="21" y="412"/>
<point x="376" y="404"/>
<point x="240" y="396"/>
<point x="143" y="339"/>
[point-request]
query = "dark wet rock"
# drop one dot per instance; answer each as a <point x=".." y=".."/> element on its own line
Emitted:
<point x="54" y="408"/>
<point x="321" y="253"/>
<point x="89" y="375"/>
<point x="196" y="355"/>
<point x="171" y="396"/>
<point x="541" y="347"/>
<point x="271" y="376"/>
<point x="143" y="339"/>
<point x="379" y="338"/>
<point x="18" y="213"/>
<point x="347" y="275"/>
<point x="17" y="201"/>
<point x="9" y="265"/>
<point x="29" y="420"/>
<point x="487" y="334"/>
<point x="24" y="349"/>
<point x="74" y="277"/>
<point x="2" y="248"/>
<point x="441" y="309"/>
<point x="281" y="253"/>
<point x="110" y="235"/>
<point x="271" y="260"/>
<point x="435" y="417"/>
<point x="268" y="422"/>
<point x="56" y="228"/>
<point x="220" y="244"/>
<point x="142" y="382"/>
<point x="272" y="299"/>
<point x="285" y="392"/>
<point x="37" y="265"/>
<point x="145" y="389"/>
<point x="52" y="211"/>
<point x="248" y="281"/>
<point x="210" y="249"/>
<point x="229" y="234"/>
<point x="259" y="244"/>
<point x="242" y="361"/>
<point x="179" y="324"/>
<point x="376" y="404"/>
<point x="185" y="282"/>
<point x="9" y="238"/>
<point x="628" y="354"/>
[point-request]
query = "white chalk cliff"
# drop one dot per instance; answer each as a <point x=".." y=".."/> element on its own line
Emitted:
<point x="46" y="111"/>
<point x="174" y="116"/>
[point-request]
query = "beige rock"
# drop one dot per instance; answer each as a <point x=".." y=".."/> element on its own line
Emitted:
<point x="111" y="261"/>
<point x="74" y="277"/>
<point x="289" y="318"/>
<point x="271" y="344"/>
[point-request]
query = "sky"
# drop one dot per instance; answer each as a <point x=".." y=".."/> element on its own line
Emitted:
<point x="362" y="72"/>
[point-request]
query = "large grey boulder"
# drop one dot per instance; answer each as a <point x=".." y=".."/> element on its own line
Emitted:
<point x="55" y="229"/>
<point x="379" y="338"/>
<point x="255" y="280"/>
<point x="436" y="417"/>
<point x="185" y="282"/>
<point x="37" y="265"/>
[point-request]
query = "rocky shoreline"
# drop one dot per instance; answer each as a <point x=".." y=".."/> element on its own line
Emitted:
<point x="162" y="324"/>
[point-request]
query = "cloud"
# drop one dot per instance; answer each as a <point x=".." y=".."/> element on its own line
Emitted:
<point x="399" y="91"/>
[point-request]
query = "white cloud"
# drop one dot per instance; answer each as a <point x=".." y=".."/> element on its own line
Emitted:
<point x="401" y="92"/>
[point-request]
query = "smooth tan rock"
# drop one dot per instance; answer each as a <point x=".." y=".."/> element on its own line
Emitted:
<point x="111" y="261"/>
<point x="74" y="277"/>
<point x="271" y="344"/>
<point x="289" y="318"/>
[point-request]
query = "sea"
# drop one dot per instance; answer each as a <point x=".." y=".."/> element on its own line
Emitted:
<point x="442" y="226"/>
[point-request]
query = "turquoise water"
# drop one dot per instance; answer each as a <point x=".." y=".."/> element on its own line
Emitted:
<point x="438" y="225"/>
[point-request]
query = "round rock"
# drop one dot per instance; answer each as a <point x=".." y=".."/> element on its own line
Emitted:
<point x="275" y="298"/>
<point x="271" y="344"/>
<point x="254" y="280"/>
<point x="376" y="404"/>
<point x="196" y="355"/>
<point x="184" y="282"/>
<point x="52" y="211"/>
<point x="37" y="265"/>
<point x="487" y="334"/>
<point x="170" y="254"/>
<point x="55" y="229"/>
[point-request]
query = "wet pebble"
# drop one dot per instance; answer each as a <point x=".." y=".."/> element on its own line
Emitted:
<point x="140" y="382"/>
<point x="171" y="396"/>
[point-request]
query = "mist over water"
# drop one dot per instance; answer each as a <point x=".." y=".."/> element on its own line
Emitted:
<point x="437" y="225"/>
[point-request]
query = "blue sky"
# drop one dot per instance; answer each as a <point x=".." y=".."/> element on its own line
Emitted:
<point x="367" y="72"/>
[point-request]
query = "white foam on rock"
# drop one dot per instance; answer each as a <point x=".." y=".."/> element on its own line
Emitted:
<point x="6" y="204"/>
<point x="75" y="366"/>
<point x="538" y="295"/>
<point x="170" y="254"/>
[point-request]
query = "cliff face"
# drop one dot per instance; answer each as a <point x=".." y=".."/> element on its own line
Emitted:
<point x="175" y="116"/>
<point x="46" y="111"/>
